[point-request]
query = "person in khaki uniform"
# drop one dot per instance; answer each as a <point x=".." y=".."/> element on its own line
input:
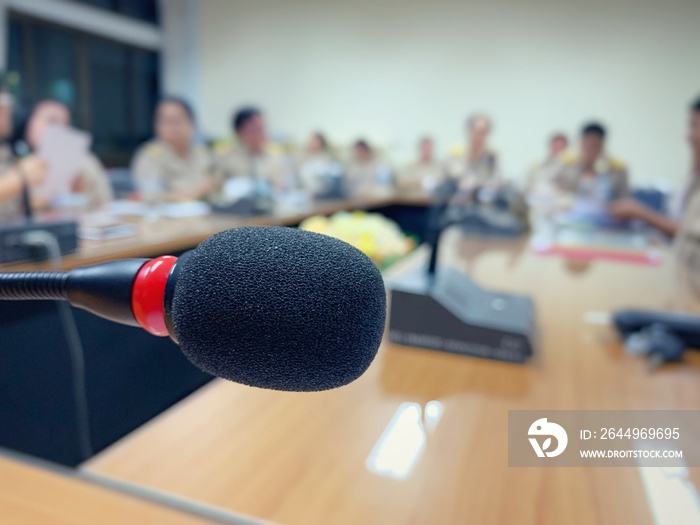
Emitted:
<point x="366" y="174"/>
<point x="478" y="164"/>
<point x="543" y="173"/>
<point x="251" y="156"/>
<point x="426" y="173"/>
<point x="629" y="208"/>
<point x="686" y="230"/>
<point x="171" y="162"/>
<point x="687" y="252"/>
<point x="592" y="174"/>
<point x="91" y="179"/>
<point x="315" y="163"/>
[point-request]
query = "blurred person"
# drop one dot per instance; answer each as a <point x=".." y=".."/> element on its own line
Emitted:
<point x="91" y="181"/>
<point x="172" y="161"/>
<point x="317" y="147"/>
<point x="6" y="104"/>
<point x="317" y="163"/>
<point x="592" y="174"/>
<point x="629" y="208"/>
<point x="478" y="164"/>
<point x="687" y="232"/>
<point x="425" y="173"/>
<point x="251" y="156"/>
<point x="365" y="172"/>
<point x="30" y="171"/>
<point x="544" y="171"/>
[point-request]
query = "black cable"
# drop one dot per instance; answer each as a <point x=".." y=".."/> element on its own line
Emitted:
<point x="52" y="285"/>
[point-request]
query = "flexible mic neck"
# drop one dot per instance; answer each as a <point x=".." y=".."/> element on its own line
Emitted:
<point x="436" y="222"/>
<point x="27" y="200"/>
<point x="104" y="289"/>
<point x="38" y="286"/>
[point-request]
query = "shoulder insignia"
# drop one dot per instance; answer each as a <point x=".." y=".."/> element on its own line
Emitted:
<point x="569" y="157"/>
<point x="153" y="149"/>
<point x="617" y="164"/>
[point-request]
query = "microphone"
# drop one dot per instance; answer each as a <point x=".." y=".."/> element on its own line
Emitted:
<point x="272" y="307"/>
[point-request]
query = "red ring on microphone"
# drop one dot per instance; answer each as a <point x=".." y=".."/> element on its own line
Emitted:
<point x="147" y="294"/>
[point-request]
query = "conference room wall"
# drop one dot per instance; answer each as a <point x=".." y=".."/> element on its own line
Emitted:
<point x="394" y="69"/>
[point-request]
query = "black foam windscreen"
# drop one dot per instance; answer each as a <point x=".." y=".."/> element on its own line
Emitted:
<point x="279" y="308"/>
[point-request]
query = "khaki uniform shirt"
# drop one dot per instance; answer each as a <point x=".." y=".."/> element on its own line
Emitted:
<point x="484" y="169"/>
<point x="235" y="161"/>
<point x="570" y="177"/>
<point x="96" y="186"/>
<point x="12" y="208"/>
<point x="416" y="175"/>
<point x="313" y="167"/>
<point x="365" y="177"/>
<point x="687" y="255"/>
<point x="543" y="173"/>
<point x="157" y="161"/>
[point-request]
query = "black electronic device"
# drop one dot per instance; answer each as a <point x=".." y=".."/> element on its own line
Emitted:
<point x="14" y="249"/>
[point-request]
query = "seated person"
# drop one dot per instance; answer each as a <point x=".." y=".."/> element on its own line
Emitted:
<point x="31" y="171"/>
<point x="544" y="171"/>
<point x="628" y="208"/>
<point x="592" y="175"/>
<point x="13" y="176"/>
<point x="366" y="173"/>
<point x="171" y="161"/>
<point x="250" y="156"/>
<point x="317" y="164"/>
<point x="91" y="180"/>
<point x="426" y="173"/>
<point x="478" y="165"/>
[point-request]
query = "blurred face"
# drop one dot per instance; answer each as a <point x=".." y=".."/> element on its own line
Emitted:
<point x="173" y="125"/>
<point x="591" y="148"/>
<point x="45" y="115"/>
<point x="694" y="132"/>
<point x="557" y="146"/>
<point x="253" y="134"/>
<point x="315" y="144"/>
<point x="479" y="133"/>
<point x="426" y="148"/>
<point x="362" y="153"/>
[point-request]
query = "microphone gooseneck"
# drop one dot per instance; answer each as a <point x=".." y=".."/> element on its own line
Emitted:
<point x="104" y="289"/>
<point x="37" y="286"/>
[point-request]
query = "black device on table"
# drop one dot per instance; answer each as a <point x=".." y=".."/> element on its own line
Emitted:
<point x="443" y="309"/>
<point x="664" y="336"/>
<point x="13" y="249"/>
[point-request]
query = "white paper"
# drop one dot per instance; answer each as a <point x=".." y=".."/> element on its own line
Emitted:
<point x="65" y="150"/>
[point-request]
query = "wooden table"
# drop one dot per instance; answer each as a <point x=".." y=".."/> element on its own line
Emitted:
<point x="301" y="459"/>
<point x="175" y="235"/>
<point x="33" y="496"/>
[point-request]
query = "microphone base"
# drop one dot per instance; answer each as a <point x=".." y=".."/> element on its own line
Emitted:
<point x="14" y="249"/>
<point x="449" y="312"/>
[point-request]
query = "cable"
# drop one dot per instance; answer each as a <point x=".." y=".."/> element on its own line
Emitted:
<point x="53" y="288"/>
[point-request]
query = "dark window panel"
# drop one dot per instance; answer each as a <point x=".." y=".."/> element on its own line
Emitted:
<point x="16" y="70"/>
<point x="55" y="65"/>
<point x="109" y="98"/>
<point x="110" y="87"/>
<point x="144" y="91"/>
<point x="103" y="4"/>
<point x="145" y="10"/>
